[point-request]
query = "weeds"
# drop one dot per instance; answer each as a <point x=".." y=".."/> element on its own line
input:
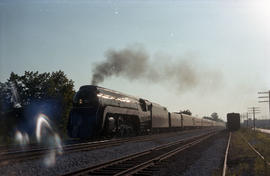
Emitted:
<point x="242" y="161"/>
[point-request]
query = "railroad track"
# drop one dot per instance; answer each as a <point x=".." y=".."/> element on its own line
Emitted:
<point x="226" y="155"/>
<point x="22" y="155"/>
<point x="250" y="146"/>
<point x="32" y="146"/>
<point x="35" y="146"/>
<point x="142" y="163"/>
<point x="256" y="151"/>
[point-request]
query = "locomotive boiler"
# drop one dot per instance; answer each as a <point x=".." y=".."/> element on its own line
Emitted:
<point x="98" y="111"/>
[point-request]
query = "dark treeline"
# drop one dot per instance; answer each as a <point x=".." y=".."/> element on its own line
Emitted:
<point x="214" y="116"/>
<point x="188" y="112"/>
<point x="23" y="97"/>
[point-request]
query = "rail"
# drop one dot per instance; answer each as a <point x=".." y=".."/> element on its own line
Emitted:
<point x="21" y="155"/>
<point x="143" y="162"/>
<point x="226" y="155"/>
<point x="256" y="151"/>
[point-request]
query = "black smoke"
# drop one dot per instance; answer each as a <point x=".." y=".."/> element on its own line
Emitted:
<point x="134" y="63"/>
<point x="131" y="63"/>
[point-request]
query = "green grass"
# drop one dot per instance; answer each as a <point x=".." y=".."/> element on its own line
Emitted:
<point x="259" y="140"/>
<point x="242" y="160"/>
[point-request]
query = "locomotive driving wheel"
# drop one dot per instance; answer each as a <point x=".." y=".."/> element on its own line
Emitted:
<point x="125" y="127"/>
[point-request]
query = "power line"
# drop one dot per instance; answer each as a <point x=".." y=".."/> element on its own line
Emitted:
<point x="265" y="99"/>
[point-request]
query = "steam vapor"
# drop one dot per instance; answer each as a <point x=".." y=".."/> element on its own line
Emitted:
<point x="134" y="63"/>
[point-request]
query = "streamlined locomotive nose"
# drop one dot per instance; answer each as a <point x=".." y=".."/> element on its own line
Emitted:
<point x="82" y="124"/>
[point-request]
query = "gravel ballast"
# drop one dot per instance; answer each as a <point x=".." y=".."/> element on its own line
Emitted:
<point x="74" y="161"/>
<point x="203" y="159"/>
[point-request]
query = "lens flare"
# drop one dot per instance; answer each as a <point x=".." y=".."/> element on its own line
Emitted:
<point x="42" y="123"/>
<point x="21" y="138"/>
<point x="46" y="135"/>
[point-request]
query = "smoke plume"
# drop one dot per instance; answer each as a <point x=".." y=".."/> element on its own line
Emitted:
<point x="131" y="63"/>
<point x="134" y="63"/>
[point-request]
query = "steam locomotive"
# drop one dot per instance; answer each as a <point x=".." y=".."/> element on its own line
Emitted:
<point x="98" y="111"/>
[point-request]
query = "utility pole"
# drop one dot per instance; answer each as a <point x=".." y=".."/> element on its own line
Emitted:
<point x="265" y="99"/>
<point x="243" y="115"/>
<point x="247" y="119"/>
<point x="254" y="111"/>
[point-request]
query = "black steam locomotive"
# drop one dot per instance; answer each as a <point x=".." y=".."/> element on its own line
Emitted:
<point x="99" y="111"/>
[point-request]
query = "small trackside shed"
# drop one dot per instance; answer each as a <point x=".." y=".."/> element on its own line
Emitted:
<point x="233" y="121"/>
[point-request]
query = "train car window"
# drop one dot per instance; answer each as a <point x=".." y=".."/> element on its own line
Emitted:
<point x="143" y="104"/>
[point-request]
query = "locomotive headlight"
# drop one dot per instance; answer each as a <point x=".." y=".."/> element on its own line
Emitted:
<point x="80" y="101"/>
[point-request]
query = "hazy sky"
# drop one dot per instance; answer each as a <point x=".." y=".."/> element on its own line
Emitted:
<point x="227" y="39"/>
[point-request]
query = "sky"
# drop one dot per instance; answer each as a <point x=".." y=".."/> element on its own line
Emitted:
<point x="226" y="43"/>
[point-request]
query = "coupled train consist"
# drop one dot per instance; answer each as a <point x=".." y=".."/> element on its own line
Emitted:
<point x="99" y="111"/>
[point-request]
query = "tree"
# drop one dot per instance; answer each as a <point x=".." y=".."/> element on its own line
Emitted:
<point x="8" y="114"/>
<point x="188" y="112"/>
<point x="51" y="93"/>
<point x="6" y="98"/>
<point x="30" y="86"/>
<point x="206" y="117"/>
<point x="214" y="116"/>
<point x="62" y="88"/>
